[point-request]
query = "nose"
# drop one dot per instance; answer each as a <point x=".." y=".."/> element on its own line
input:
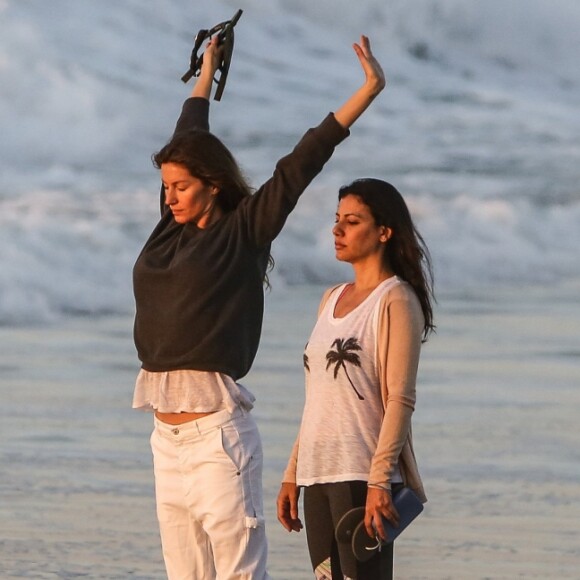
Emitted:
<point x="336" y="230"/>
<point x="170" y="197"/>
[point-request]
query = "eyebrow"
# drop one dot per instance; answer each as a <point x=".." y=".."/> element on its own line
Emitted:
<point x="175" y="182"/>
<point x="352" y="213"/>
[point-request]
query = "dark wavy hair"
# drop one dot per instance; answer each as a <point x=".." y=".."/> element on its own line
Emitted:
<point x="210" y="161"/>
<point x="406" y="251"/>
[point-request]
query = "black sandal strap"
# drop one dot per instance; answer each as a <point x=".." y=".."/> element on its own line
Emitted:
<point x="225" y="31"/>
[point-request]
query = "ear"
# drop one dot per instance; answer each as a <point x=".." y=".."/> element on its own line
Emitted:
<point x="215" y="190"/>
<point x="386" y="234"/>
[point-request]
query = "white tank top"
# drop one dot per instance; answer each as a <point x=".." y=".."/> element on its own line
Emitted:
<point x="343" y="411"/>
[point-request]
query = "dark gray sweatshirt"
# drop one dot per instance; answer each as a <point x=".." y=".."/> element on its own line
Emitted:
<point x="199" y="292"/>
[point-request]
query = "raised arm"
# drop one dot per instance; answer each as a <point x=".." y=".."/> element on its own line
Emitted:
<point x="211" y="61"/>
<point x="195" y="112"/>
<point x="374" y="83"/>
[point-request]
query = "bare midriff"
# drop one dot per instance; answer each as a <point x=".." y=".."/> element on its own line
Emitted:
<point x="179" y="418"/>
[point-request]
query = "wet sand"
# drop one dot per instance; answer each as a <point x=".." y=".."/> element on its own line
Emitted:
<point x="496" y="433"/>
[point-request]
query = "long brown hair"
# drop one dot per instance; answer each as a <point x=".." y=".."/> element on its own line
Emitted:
<point x="406" y="250"/>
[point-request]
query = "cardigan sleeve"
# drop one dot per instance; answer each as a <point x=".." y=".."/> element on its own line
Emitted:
<point x="400" y="328"/>
<point x="290" y="471"/>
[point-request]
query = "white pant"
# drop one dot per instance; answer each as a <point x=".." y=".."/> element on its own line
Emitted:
<point x="208" y="484"/>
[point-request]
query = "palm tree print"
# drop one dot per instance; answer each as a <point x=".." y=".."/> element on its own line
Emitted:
<point x="342" y="355"/>
<point x="305" y="361"/>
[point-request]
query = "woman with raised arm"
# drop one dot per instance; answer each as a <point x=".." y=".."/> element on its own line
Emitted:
<point x="354" y="447"/>
<point x="198" y="286"/>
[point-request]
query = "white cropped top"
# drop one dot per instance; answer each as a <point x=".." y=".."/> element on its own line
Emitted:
<point x="189" y="391"/>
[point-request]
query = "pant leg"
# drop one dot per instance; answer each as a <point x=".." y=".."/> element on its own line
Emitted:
<point x="318" y="525"/>
<point x="234" y="516"/>
<point x="219" y="469"/>
<point x="186" y="548"/>
<point x="324" y="505"/>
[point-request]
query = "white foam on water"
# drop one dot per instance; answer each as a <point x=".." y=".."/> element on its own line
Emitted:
<point x="478" y="128"/>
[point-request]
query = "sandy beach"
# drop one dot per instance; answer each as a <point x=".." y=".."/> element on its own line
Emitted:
<point x="496" y="431"/>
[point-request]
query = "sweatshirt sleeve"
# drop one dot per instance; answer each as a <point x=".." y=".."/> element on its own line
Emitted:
<point x="194" y="115"/>
<point x="400" y="330"/>
<point x="265" y="212"/>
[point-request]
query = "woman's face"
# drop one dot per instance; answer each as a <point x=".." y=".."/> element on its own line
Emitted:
<point x="356" y="236"/>
<point x="188" y="197"/>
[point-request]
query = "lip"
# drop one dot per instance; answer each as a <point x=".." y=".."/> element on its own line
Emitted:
<point x="178" y="215"/>
<point x="339" y="246"/>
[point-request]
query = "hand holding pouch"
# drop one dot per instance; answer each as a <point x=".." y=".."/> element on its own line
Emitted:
<point x="351" y="526"/>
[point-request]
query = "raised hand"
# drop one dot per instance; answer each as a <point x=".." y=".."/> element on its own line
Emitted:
<point x="375" y="77"/>
<point x="374" y="83"/>
<point x="211" y="61"/>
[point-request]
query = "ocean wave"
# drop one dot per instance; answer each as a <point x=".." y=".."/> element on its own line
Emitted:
<point x="478" y="128"/>
<point x="79" y="261"/>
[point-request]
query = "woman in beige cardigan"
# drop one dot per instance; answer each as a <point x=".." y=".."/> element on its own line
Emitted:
<point x="355" y="446"/>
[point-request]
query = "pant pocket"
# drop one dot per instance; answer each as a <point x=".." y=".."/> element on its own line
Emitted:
<point x="232" y="445"/>
<point x="241" y="443"/>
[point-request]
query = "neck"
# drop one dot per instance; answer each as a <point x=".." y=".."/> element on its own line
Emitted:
<point x="209" y="215"/>
<point x="366" y="278"/>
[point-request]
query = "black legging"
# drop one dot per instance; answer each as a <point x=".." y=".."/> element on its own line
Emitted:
<point x="324" y="505"/>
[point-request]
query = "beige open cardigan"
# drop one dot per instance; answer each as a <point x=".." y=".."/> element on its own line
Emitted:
<point x="400" y="331"/>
